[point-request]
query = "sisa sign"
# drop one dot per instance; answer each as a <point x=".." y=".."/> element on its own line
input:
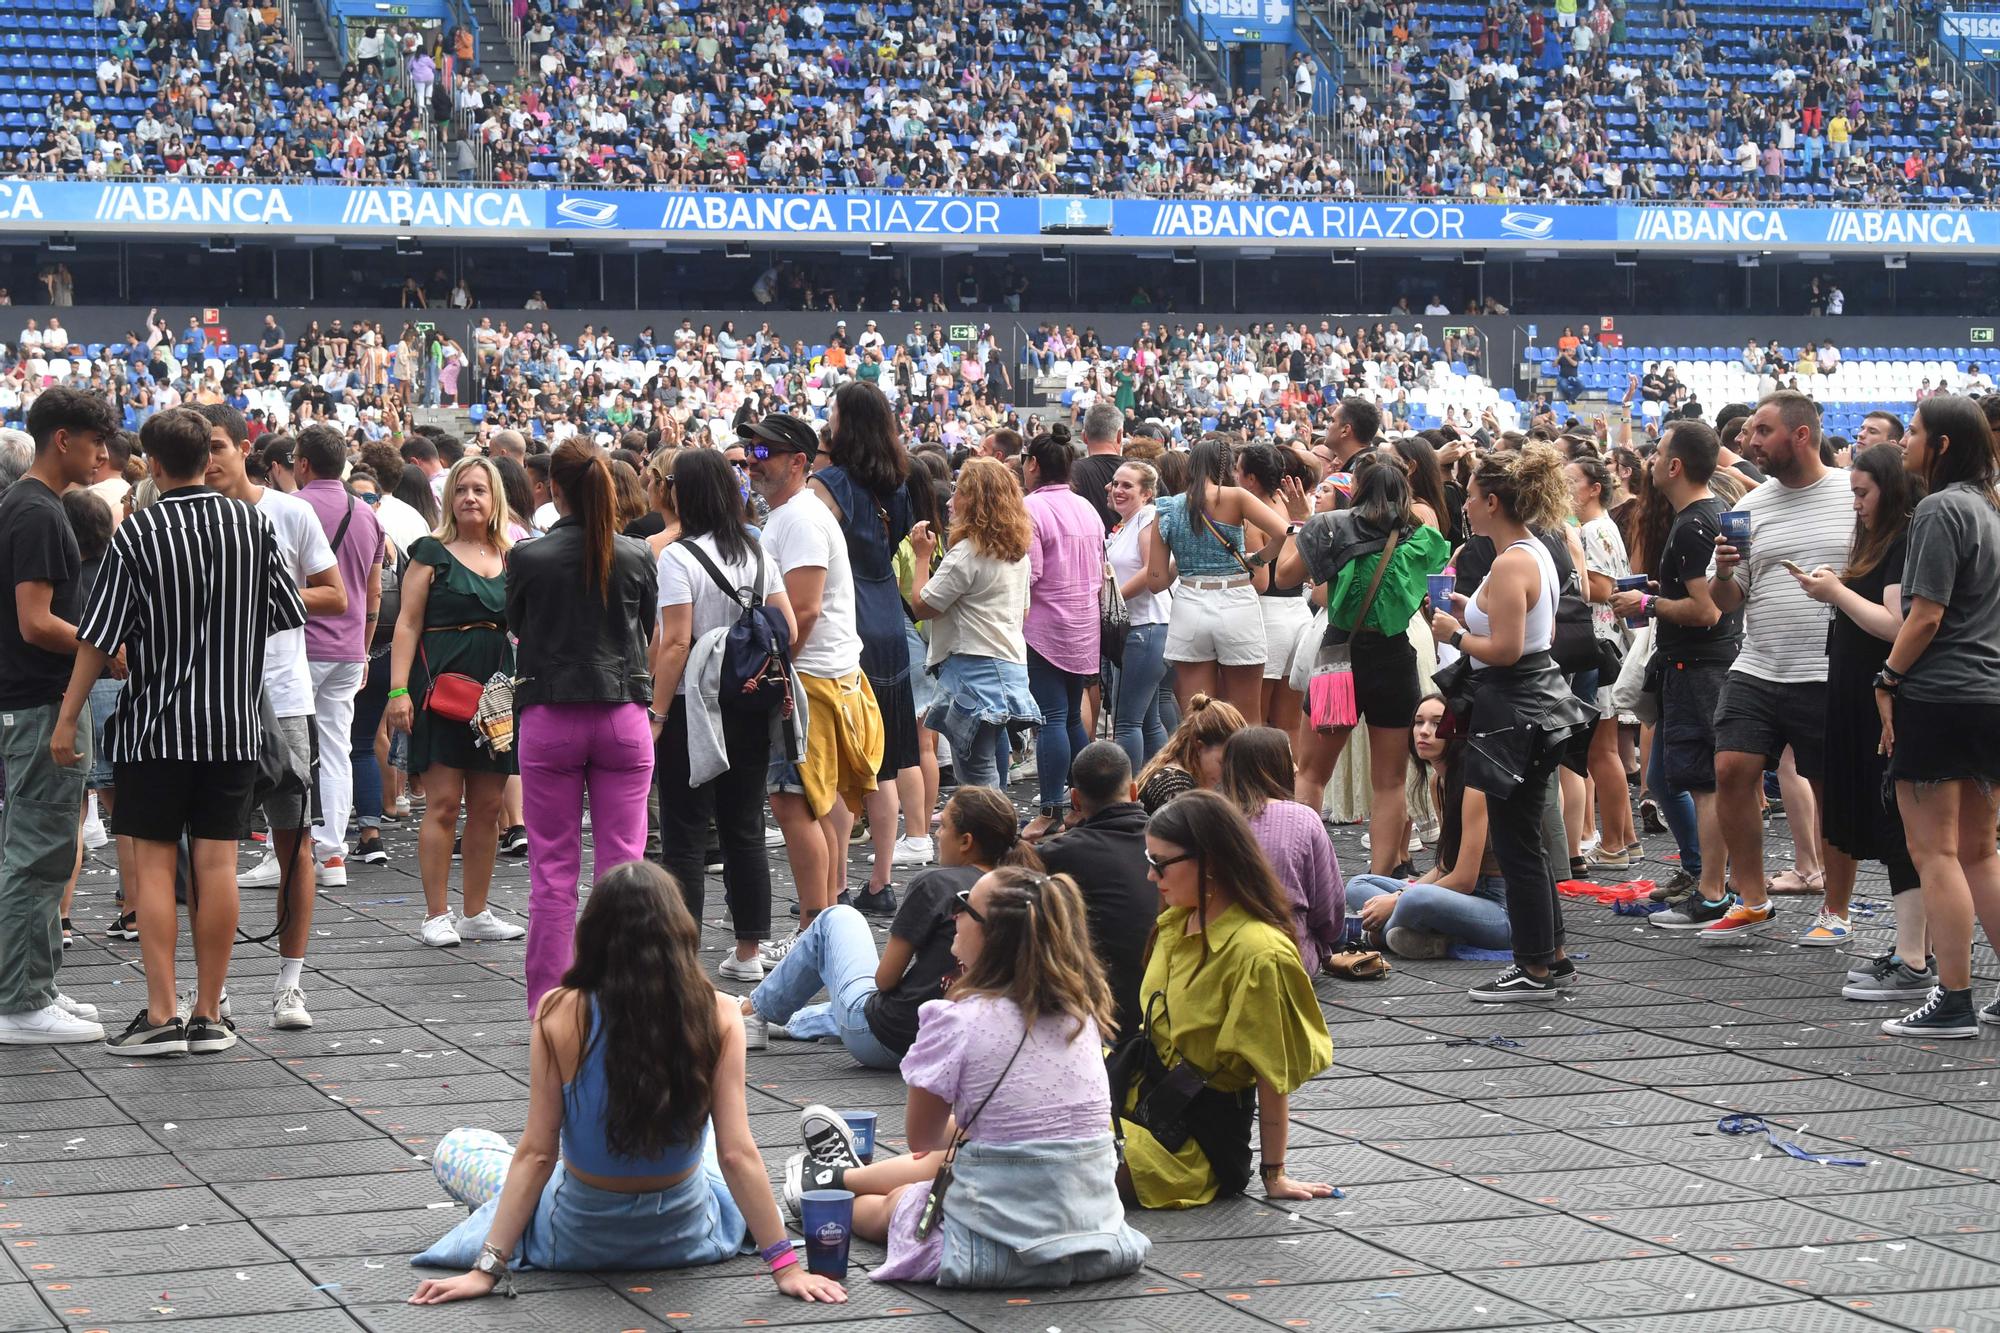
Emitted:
<point x="1235" y="22"/>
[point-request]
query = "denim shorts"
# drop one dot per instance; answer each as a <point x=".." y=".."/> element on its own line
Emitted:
<point x="103" y="698"/>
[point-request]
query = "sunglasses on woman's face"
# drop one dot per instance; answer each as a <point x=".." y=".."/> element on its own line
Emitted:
<point x="962" y="902"/>
<point x="1160" y="864"/>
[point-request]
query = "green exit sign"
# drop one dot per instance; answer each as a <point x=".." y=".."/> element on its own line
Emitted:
<point x="1983" y="335"/>
<point x="961" y="333"/>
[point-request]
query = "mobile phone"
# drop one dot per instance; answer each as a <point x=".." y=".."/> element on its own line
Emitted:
<point x="1792" y="565"/>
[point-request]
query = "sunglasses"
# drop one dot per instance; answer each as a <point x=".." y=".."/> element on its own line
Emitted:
<point x="764" y="453"/>
<point x="1160" y="865"/>
<point x="961" y="902"/>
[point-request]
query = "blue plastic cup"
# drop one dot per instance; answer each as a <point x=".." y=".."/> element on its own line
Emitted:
<point x="863" y="1125"/>
<point x="1736" y="528"/>
<point x="1441" y="586"/>
<point x="1628" y="584"/>
<point x="827" y="1217"/>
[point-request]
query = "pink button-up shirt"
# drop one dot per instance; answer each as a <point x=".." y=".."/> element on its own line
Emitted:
<point x="1065" y="575"/>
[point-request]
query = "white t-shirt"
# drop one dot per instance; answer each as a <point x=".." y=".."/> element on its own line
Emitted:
<point x="1125" y="549"/>
<point x="684" y="581"/>
<point x="303" y="544"/>
<point x="1784" y="631"/>
<point x="802" y="533"/>
<point x="401" y="520"/>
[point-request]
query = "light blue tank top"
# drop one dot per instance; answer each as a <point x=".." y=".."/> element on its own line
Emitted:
<point x="583" y="1144"/>
<point x="1197" y="554"/>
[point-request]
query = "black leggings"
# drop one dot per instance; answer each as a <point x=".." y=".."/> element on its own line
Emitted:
<point x="735" y="800"/>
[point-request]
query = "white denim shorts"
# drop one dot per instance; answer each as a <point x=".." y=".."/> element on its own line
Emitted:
<point x="1211" y="624"/>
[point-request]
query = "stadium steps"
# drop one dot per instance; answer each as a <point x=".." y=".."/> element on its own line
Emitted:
<point x="496" y="55"/>
<point x="315" y="42"/>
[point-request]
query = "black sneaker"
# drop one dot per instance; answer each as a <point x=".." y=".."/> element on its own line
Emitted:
<point x="1991" y="1013"/>
<point x="828" y="1140"/>
<point x="1563" y="973"/>
<point x="1948" y="1013"/>
<point x="514" y="842"/>
<point x="882" y="904"/>
<point x="205" y="1036"/>
<point x="711" y="861"/>
<point x="1515" y="985"/>
<point x="1694" y="913"/>
<point x="125" y="928"/>
<point x="369" y="851"/>
<point x="1895" y="981"/>
<point x="142" y="1036"/>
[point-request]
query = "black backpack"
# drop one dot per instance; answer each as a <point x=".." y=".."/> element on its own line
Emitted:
<point x="757" y="650"/>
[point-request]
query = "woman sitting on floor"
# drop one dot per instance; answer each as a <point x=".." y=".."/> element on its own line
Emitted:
<point x="1257" y="776"/>
<point x="1192" y="756"/>
<point x="637" y="1151"/>
<point x="1460" y="900"/>
<point x="1007" y="1084"/>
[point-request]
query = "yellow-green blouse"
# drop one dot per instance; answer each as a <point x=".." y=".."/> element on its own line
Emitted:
<point x="1248" y="1013"/>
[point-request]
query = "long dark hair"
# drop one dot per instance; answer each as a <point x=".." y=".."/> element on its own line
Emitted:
<point x="1425" y="474"/>
<point x="709" y="503"/>
<point x="581" y="473"/>
<point x="638" y="957"/>
<point x="866" y="440"/>
<point x="1971" y="457"/>
<point x="1226" y="851"/>
<point x="1208" y="464"/>
<point x="1898" y="490"/>
<point x="514" y="481"/>
<point x="413" y="488"/>
<point x="1257" y="768"/>
<point x="1382" y="495"/>
<point x="1651" y="519"/>
<point x="1447" y="782"/>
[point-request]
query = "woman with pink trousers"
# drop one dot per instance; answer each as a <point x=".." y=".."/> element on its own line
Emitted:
<point x="579" y="601"/>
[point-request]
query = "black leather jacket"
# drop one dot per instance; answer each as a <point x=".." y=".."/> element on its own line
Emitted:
<point x="574" y="648"/>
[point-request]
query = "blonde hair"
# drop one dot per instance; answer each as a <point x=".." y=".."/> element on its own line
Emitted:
<point x="1149" y="476"/>
<point x="987" y="510"/>
<point x="1037" y="951"/>
<point x="659" y="471"/>
<point x="1530" y="485"/>
<point x="496" y="523"/>
<point x="1208" y="722"/>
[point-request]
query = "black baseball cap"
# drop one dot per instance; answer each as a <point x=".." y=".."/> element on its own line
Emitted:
<point x="781" y="430"/>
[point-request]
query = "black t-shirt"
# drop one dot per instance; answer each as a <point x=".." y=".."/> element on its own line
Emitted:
<point x="925" y="921"/>
<point x="646" y="525"/>
<point x="1749" y="471"/>
<point x="1690" y="545"/>
<point x="37" y="545"/>
<point x="1088" y="477"/>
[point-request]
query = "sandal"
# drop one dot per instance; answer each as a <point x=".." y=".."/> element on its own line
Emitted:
<point x="1357" y="965"/>
<point x="1792" y="881"/>
<point x="127" y="927"/>
<point x="67" y="941"/>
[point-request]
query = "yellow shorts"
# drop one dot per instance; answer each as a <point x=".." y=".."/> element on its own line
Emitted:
<point x="843" y="744"/>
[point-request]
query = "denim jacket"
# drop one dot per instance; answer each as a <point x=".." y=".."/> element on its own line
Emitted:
<point x="1044" y="1213"/>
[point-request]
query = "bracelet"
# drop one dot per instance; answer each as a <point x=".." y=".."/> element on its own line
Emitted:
<point x="402" y="693"/>
<point x="1646" y="601"/>
<point x="783" y="1245"/>
<point x="1269" y="1169"/>
<point x="784" y="1261"/>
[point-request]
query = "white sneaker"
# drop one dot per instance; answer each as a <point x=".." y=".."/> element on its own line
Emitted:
<point x="76" y="1008"/>
<point x="288" y="1010"/>
<point x="439" y="933"/>
<point x="487" y="926"/>
<point x="50" y="1025"/>
<point x="402" y="808"/>
<point x="774" y="837"/>
<point x="184" y="1005"/>
<point x="772" y="952"/>
<point x="755" y="1033"/>
<point x="263" y="875"/>
<point x="331" y="873"/>
<point x="95" y="834"/>
<point x="915" y="851"/>
<point x="1583" y="848"/>
<point x="740" y="969"/>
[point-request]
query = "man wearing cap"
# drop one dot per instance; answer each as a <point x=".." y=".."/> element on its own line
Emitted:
<point x="871" y="337"/>
<point x="815" y="801"/>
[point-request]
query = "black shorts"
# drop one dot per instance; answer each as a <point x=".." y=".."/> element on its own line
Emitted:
<point x="1688" y="691"/>
<point x="1935" y="742"/>
<point x="1385" y="679"/>
<point x="1765" y="717"/>
<point x="161" y="799"/>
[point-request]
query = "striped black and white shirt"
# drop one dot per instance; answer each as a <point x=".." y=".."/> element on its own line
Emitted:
<point x="191" y="586"/>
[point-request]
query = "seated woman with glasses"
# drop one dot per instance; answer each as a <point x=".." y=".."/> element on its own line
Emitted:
<point x="1460" y="900"/>
<point x="1008" y="1090"/>
<point x="873" y="1001"/>
<point x="1225" y="994"/>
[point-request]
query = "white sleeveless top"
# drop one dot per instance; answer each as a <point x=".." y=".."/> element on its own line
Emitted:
<point x="1540" y="633"/>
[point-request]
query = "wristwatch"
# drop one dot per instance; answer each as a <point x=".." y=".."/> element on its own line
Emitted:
<point x="490" y="1262"/>
<point x="1458" y="639"/>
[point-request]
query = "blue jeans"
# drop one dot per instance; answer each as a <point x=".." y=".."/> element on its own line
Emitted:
<point x="836" y="951"/>
<point x="1478" y="918"/>
<point x="985" y="764"/>
<point x="1059" y="694"/>
<point x="1676" y="807"/>
<point x="1136" y="721"/>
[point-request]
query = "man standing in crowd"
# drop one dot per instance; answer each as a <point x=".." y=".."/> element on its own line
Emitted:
<point x="39" y="565"/>
<point x="1350" y="431"/>
<point x="1878" y="428"/>
<point x="1104" y="851"/>
<point x="1695" y="642"/>
<point x="303" y="548"/>
<point x="1103" y="445"/>
<point x="1775" y="696"/>
<point x="814" y="801"/>
<point x="337" y="646"/>
<point x="191" y="588"/>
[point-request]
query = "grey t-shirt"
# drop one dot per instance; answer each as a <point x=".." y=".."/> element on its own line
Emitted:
<point x="1954" y="560"/>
